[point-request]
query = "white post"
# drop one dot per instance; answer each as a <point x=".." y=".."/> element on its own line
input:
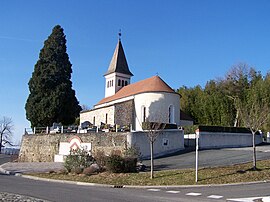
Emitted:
<point x="34" y="130"/>
<point x="97" y="129"/>
<point x="116" y="129"/>
<point x="62" y="129"/>
<point x="47" y="130"/>
<point x="197" y="155"/>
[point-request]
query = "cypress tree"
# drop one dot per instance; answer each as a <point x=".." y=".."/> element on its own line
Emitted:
<point x="51" y="97"/>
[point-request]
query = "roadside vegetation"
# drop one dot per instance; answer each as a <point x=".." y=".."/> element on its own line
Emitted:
<point x="80" y="161"/>
<point x="219" y="175"/>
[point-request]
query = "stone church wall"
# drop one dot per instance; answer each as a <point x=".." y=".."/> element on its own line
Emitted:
<point x="99" y="114"/>
<point x="124" y="113"/>
<point x="43" y="147"/>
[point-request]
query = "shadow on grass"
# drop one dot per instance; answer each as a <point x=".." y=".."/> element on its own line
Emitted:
<point x="157" y="167"/>
<point x="238" y="172"/>
<point x="173" y="173"/>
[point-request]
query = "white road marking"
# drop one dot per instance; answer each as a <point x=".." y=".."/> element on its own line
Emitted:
<point x="251" y="199"/>
<point x="153" y="189"/>
<point x="266" y="199"/>
<point x="193" y="194"/>
<point x="215" y="196"/>
<point x="173" y="192"/>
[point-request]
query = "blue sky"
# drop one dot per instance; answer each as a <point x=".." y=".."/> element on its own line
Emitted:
<point x="185" y="42"/>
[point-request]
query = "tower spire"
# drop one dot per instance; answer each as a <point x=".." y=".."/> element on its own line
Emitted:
<point x="118" y="74"/>
<point x="119" y="63"/>
<point x="119" y="35"/>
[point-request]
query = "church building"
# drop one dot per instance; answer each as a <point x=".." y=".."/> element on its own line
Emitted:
<point x="131" y="104"/>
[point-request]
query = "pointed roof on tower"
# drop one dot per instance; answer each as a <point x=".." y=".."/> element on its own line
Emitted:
<point x="119" y="63"/>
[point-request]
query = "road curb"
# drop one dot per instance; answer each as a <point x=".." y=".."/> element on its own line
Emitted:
<point x="66" y="181"/>
<point x="3" y="171"/>
<point x="6" y="172"/>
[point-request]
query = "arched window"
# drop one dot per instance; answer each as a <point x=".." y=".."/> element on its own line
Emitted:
<point x="108" y="84"/>
<point x="119" y="82"/>
<point x="171" y="114"/>
<point x="122" y="83"/>
<point x="106" y="118"/>
<point x="94" y="121"/>
<point x="112" y="82"/>
<point x="126" y="83"/>
<point x="143" y="114"/>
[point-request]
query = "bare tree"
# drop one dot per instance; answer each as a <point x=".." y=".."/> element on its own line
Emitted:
<point x="254" y="116"/>
<point x="6" y="128"/>
<point x="152" y="129"/>
<point x="235" y="83"/>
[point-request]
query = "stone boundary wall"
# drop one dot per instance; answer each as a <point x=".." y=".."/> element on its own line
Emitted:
<point x="43" y="147"/>
<point x="168" y="141"/>
<point x="212" y="140"/>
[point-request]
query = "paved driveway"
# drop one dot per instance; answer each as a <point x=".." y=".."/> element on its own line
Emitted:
<point x="210" y="158"/>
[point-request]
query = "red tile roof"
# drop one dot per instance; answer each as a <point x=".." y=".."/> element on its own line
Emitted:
<point x="153" y="84"/>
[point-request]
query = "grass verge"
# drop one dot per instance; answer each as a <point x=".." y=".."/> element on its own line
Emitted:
<point x="219" y="175"/>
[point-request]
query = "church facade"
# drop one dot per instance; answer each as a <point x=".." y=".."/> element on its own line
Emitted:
<point x="132" y="104"/>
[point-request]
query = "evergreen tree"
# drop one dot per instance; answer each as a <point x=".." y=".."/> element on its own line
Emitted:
<point x="51" y="97"/>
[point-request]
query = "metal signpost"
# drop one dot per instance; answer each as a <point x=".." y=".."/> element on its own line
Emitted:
<point x="197" y="155"/>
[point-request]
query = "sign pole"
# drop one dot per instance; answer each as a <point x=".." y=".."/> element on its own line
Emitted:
<point x="197" y="155"/>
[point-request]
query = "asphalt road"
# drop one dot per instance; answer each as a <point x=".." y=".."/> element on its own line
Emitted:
<point x="52" y="191"/>
<point x="210" y="158"/>
<point x="4" y="158"/>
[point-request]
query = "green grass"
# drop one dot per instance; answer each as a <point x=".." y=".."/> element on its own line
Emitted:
<point x="219" y="175"/>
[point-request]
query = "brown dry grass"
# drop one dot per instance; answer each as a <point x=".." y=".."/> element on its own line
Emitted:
<point x="220" y="175"/>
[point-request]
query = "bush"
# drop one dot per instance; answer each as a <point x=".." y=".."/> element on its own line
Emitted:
<point x="190" y="129"/>
<point x="78" y="159"/>
<point x="115" y="164"/>
<point x="133" y="152"/>
<point x="77" y="170"/>
<point x="118" y="164"/>
<point x="100" y="158"/>
<point x="130" y="164"/>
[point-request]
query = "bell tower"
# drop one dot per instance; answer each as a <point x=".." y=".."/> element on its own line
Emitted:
<point x="118" y="74"/>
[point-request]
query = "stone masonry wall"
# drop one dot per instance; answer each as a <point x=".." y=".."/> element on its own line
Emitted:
<point x="124" y="113"/>
<point x="100" y="116"/>
<point x="43" y="147"/>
